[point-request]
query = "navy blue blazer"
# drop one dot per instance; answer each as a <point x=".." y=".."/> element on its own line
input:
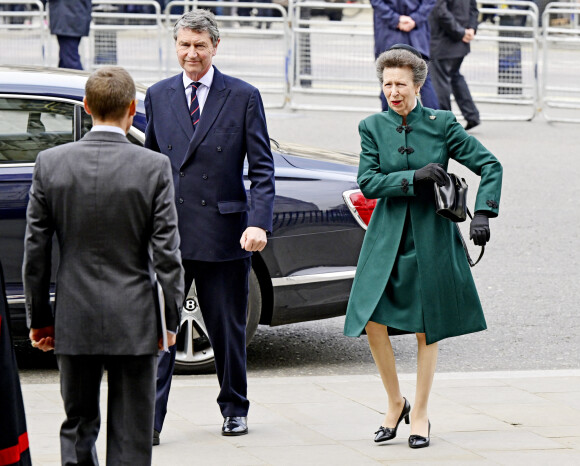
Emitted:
<point x="71" y="18"/>
<point x="386" y="18"/>
<point x="207" y="166"/>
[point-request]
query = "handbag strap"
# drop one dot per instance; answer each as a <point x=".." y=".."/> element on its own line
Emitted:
<point x="471" y="263"/>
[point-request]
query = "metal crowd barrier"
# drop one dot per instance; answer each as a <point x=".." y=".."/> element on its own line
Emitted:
<point x="502" y="66"/>
<point x="133" y="40"/>
<point x="560" y="63"/>
<point x="23" y="33"/>
<point x="255" y="47"/>
<point x="333" y="61"/>
<point x="337" y="58"/>
<point x="308" y="61"/>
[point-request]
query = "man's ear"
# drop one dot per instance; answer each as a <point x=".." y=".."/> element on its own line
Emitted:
<point x="86" y="105"/>
<point x="133" y="107"/>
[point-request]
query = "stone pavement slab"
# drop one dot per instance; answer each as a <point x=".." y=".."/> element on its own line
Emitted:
<point x="487" y="418"/>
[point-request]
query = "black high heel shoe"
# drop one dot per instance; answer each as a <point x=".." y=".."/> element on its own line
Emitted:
<point x="388" y="433"/>
<point x="418" y="441"/>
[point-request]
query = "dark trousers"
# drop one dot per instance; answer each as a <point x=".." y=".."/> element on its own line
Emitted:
<point x="428" y="96"/>
<point x="131" y="398"/>
<point x="448" y="79"/>
<point x="68" y="52"/>
<point x="222" y="292"/>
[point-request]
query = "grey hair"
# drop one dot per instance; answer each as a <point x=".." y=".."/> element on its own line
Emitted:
<point x="401" y="58"/>
<point x="199" y="21"/>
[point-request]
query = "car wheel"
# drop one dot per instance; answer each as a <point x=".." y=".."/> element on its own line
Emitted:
<point x="194" y="353"/>
<point x="254" y="307"/>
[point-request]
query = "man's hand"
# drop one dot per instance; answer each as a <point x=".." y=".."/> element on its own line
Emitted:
<point x="406" y="23"/>
<point x="253" y="239"/>
<point x="469" y="35"/>
<point x="42" y="338"/>
<point x="171" y="340"/>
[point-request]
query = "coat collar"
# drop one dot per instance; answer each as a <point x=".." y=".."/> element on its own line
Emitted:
<point x="411" y="117"/>
<point x="104" y="136"/>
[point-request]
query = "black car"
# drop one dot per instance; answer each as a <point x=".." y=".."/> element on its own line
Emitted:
<point x="305" y="272"/>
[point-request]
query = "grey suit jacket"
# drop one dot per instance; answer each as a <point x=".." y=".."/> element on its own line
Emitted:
<point x="111" y="205"/>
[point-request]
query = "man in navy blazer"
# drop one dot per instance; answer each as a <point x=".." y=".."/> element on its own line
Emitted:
<point x="207" y="123"/>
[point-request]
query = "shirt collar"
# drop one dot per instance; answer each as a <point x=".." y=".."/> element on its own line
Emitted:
<point x="206" y="79"/>
<point x="108" y="129"/>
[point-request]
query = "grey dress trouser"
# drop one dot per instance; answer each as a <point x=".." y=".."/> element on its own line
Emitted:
<point x="130" y="408"/>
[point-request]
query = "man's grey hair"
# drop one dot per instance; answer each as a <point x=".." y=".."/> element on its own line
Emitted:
<point x="199" y="21"/>
<point x="401" y="58"/>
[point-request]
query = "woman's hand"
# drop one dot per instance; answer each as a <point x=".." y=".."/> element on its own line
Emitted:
<point x="479" y="229"/>
<point x="432" y="172"/>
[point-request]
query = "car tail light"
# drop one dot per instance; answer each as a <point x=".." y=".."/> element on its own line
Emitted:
<point x="360" y="207"/>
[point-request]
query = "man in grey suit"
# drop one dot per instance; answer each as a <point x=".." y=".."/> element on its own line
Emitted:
<point x="111" y="206"/>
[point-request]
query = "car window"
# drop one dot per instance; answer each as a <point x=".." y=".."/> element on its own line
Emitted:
<point x="28" y="126"/>
<point x="87" y="124"/>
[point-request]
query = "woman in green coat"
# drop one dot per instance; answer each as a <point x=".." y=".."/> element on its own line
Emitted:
<point x="412" y="274"/>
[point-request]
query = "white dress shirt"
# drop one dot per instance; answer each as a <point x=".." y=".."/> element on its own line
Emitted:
<point x="108" y="129"/>
<point x="202" y="91"/>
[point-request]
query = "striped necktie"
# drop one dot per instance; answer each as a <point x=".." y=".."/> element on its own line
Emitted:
<point x="194" y="111"/>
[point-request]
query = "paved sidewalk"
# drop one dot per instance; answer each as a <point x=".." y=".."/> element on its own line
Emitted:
<point x="507" y="418"/>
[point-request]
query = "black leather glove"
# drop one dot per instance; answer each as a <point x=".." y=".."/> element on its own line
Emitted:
<point x="479" y="229"/>
<point x="431" y="172"/>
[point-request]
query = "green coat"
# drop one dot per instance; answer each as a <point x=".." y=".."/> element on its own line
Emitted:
<point x="449" y="299"/>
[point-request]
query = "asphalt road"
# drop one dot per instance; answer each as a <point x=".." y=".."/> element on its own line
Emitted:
<point x="528" y="279"/>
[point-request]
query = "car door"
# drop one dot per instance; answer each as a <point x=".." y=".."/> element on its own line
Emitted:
<point x="28" y="125"/>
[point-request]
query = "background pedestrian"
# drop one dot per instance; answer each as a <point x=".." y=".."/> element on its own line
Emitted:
<point x="404" y="22"/>
<point x="69" y="21"/>
<point x="453" y="27"/>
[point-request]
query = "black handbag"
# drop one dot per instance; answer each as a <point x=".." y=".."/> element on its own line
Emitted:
<point x="451" y="199"/>
<point x="451" y="203"/>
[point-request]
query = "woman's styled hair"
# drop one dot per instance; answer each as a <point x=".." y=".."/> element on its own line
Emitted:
<point x="109" y="92"/>
<point x="198" y="20"/>
<point x="402" y="58"/>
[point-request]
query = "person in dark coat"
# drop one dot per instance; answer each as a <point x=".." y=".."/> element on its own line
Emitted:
<point x="412" y="274"/>
<point x="69" y="21"/>
<point x="404" y="22"/>
<point x="207" y="123"/>
<point x="453" y="27"/>
<point x="14" y="449"/>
